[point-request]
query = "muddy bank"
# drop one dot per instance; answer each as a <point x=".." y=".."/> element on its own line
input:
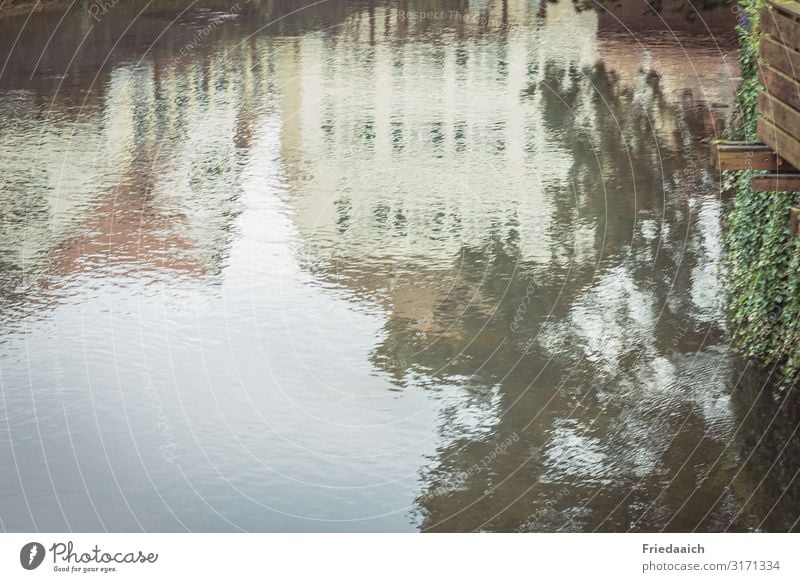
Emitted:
<point x="16" y="7"/>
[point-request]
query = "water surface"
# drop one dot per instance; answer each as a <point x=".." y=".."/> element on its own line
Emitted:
<point x="342" y="268"/>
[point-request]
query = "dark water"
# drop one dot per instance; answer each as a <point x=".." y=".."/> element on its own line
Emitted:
<point x="339" y="268"/>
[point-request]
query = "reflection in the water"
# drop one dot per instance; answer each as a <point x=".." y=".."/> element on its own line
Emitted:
<point x="346" y="269"/>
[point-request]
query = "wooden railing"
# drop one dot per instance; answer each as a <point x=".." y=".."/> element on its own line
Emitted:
<point x="779" y="103"/>
<point x="778" y="150"/>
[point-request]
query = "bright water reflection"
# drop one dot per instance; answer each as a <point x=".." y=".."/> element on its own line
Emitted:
<point x="345" y="269"/>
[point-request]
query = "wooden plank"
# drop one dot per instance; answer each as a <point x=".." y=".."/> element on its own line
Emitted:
<point x="779" y="56"/>
<point x="740" y="155"/>
<point x="783" y="29"/>
<point x="780" y="86"/>
<point x="788" y="7"/>
<point x="794" y="221"/>
<point x="775" y="182"/>
<point x="780" y="114"/>
<point x="781" y="142"/>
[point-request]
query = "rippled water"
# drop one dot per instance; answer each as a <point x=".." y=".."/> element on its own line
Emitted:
<point x="341" y="268"/>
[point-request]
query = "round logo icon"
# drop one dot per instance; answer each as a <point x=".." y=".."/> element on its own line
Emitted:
<point x="31" y="555"/>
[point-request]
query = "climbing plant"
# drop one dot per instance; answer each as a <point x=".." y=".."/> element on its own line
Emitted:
<point x="762" y="258"/>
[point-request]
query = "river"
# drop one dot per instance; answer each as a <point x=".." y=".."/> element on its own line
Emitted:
<point x="361" y="266"/>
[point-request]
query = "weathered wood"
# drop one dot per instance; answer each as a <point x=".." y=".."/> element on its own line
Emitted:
<point x="781" y="86"/>
<point x="782" y="143"/>
<point x="780" y="114"/>
<point x="779" y="106"/>
<point x="782" y="28"/>
<point x="794" y="221"/>
<point x="780" y="57"/>
<point x="775" y="182"/>
<point x="788" y="7"/>
<point x="741" y="155"/>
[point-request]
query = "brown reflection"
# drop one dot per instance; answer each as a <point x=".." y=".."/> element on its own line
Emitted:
<point x="126" y="231"/>
<point x="120" y="186"/>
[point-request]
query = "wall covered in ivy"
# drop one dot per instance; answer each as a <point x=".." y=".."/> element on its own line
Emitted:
<point x="763" y="260"/>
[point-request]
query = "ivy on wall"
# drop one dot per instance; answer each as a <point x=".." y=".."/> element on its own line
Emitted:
<point x="762" y="259"/>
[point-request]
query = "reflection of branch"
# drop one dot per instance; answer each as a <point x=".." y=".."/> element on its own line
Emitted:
<point x="584" y="5"/>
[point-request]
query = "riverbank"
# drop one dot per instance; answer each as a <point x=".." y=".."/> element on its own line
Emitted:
<point x="16" y="7"/>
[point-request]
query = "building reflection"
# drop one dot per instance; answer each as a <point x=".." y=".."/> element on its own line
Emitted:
<point x="134" y="174"/>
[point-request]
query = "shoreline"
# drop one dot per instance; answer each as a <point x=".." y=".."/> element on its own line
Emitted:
<point x="17" y="7"/>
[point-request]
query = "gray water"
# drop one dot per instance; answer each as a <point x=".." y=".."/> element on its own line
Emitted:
<point x="343" y="269"/>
